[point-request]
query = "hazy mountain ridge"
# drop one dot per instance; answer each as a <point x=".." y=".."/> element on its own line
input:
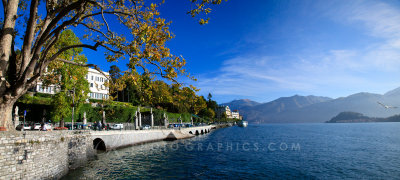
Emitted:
<point x="239" y="104"/>
<point x="302" y="109"/>
<point x="354" y="117"/>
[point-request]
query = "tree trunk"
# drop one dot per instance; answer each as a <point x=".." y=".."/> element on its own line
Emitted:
<point x="6" y="40"/>
<point x="61" y="122"/>
<point x="6" y="116"/>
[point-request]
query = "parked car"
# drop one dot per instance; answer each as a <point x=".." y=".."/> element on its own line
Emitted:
<point x="25" y="127"/>
<point x="36" y="126"/>
<point x="117" y="126"/>
<point x="146" y="127"/>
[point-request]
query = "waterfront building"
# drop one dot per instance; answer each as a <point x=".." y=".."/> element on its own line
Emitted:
<point x="224" y="110"/>
<point x="96" y="84"/>
<point x="235" y="114"/>
<point x="96" y="80"/>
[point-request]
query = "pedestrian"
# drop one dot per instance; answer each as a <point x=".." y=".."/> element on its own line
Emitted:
<point x="108" y="126"/>
<point x="99" y="125"/>
<point x="95" y="125"/>
<point x="44" y="127"/>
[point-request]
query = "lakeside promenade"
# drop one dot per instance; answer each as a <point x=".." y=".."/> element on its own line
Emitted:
<point x="51" y="154"/>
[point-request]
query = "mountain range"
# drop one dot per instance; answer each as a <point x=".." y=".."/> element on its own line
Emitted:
<point x="311" y="109"/>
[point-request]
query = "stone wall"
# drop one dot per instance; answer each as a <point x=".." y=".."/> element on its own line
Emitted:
<point x="118" y="139"/>
<point x="43" y="155"/>
<point x="51" y="154"/>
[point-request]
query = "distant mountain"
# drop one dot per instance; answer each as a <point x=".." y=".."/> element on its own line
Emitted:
<point x="239" y="104"/>
<point x="354" y="117"/>
<point x="304" y="109"/>
<point x="269" y="112"/>
<point x="394" y="92"/>
<point x="289" y="103"/>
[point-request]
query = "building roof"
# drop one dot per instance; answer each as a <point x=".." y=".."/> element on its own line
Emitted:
<point x="95" y="71"/>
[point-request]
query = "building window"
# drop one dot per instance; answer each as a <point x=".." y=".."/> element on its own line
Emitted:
<point x="92" y="78"/>
<point x="91" y="84"/>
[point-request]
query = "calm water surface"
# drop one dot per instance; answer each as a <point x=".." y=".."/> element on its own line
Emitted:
<point x="301" y="151"/>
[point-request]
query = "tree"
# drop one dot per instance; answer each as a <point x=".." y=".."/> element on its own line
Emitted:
<point x="40" y="24"/>
<point x="115" y="73"/>
<point x="161" y="94"/>
<point x="70" y="79"/>
<point x="207" y="112"/>
<point x="200" y="103"/>
<point x="212" y="104"/>
<point x="209" y="97"/>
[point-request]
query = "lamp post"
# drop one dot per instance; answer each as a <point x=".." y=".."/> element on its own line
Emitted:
<point x="73" y="107"/>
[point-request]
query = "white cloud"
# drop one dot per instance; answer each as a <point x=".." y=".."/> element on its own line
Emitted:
<point x="375" y="67"/>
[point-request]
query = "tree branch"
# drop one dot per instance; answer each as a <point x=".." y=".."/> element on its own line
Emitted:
<point x="112" y="50"/>
<point x="29" y="34"/>
<point x="72" y="47"/>
<point x="116" y="13"/>
<point x="108" y="27"/>
<point x="95" y="30"/>
<point x="54" y="22"/>
<point x="42" y="64"/>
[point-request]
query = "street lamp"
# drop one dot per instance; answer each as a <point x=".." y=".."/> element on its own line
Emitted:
<point x="73" y="107"/>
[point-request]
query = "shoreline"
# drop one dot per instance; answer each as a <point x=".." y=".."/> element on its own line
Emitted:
<point x="52" y="154"/>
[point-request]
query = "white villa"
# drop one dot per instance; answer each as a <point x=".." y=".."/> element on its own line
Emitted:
<point x="96" y="85"/>
<point x="229" y="114"/>
<point x="235" y="114"/>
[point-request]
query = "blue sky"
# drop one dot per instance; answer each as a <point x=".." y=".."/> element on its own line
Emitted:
<point x="263" y="50"/>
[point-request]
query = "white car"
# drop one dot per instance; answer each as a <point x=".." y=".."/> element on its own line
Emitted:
<point x="36" y="126"/>
<point x="27" y="127"/>
<point x="117" y="126"/>
<point x="146" y="127"/>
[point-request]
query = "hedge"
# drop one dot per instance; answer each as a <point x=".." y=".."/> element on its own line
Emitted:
<point x="117" y="112"/>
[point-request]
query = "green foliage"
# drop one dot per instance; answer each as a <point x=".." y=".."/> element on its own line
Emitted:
<point x="172" y="98"/>
<point x="124" y="104"/>
<point x="173" y="117"/>
<point x="61" y="106"/>
<point x="117" y="113"/>
<point x="74" y="88"/>
<point x="28" y="99"/>
<point x="92" y="113"/>
<point x="209" y="96"/>
<point x="207" y="112"/>
<point x="120" y="114"/>
<point x="212" y="105"/>
<point x="44" y="95"/>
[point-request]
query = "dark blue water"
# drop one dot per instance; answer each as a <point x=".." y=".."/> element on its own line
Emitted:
<point x="301" y="151"/>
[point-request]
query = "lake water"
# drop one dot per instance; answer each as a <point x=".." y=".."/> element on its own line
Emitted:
<point x="269" y="151"/>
